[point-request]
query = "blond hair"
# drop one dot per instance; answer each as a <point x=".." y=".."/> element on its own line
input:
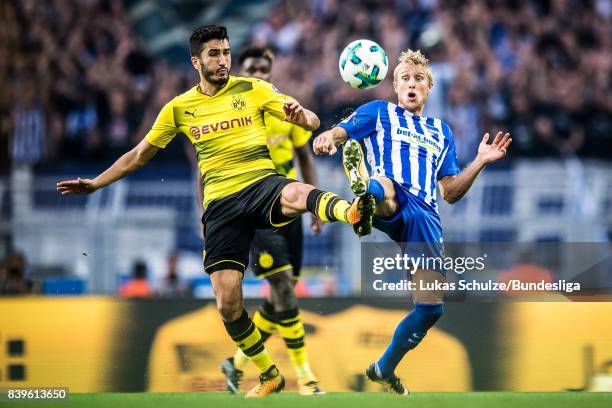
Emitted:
<point x="414" y="58"/>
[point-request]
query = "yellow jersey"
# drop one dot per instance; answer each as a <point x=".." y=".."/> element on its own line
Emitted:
<point x="227" y="131"/>
<point x="283" y="137"/>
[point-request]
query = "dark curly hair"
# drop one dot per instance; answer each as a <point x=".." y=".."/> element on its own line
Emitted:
<point x="255" y="51"/>
<point x="202" y="35"/>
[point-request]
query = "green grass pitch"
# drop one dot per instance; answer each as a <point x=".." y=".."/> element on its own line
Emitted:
<point x="332" y="400"/>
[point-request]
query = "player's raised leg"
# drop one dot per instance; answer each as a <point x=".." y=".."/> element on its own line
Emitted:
<point x="297" y="198"/>
<point x="380" y="188"/>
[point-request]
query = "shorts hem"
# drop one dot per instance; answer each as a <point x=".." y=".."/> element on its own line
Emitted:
<point x="225" y="264"/>
<point x="291" y="219"/>
<point x="390" y="220"/>
<point x="274" y="271"/>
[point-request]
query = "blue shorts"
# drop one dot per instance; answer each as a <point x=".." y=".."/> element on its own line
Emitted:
<point x="416" y="227"/>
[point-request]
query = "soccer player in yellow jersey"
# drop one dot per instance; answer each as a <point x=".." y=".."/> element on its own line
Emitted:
<point x="277" y="255"/>
<point x="223" y="118"/>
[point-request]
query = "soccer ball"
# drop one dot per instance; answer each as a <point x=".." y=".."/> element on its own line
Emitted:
<point x="363" y="64"/>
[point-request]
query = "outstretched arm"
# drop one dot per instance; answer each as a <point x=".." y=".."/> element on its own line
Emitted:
<point x="453" y="188"/>
<point x="298" y="115"/>
<point x="327" y="141"/>
<point x="126" y="164"/>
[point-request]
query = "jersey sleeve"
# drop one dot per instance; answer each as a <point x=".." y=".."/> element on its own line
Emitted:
<point x="361" y="123"/>
<point x="450" y="162"/>
<point x="299" y="137"/>
<point x="164" y="129"/>
<point x="272" y="100"/>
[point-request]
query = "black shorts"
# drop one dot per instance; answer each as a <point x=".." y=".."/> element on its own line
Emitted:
<point x="279" y="250"/>
<point x="230" y="223"/>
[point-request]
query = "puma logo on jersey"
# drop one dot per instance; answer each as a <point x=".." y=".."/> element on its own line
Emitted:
<point x="191" y="113"/>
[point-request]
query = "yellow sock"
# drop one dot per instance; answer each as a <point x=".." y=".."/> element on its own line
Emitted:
<point x="266" y="326"/>
<point x="330" y="207"/>
<point x="265" y="322"/>
<point x="240" y="359"/>
<point x="340" y="210"/>
<point x="262" y="360"/>
<point x="248" y="339"/>
<point x="291" y="329"/>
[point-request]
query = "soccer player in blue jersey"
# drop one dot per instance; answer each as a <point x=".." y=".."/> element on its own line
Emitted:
<point x="407" y="154"/>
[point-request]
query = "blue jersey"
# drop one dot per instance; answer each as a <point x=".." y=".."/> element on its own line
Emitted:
<point x="413" y="150"/>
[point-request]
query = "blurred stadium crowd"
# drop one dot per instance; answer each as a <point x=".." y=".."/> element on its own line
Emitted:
<point x="16" y="279"/>
<point x="541" y="69"/>
<point x="81" y="85"/>
<point x="13" y="275"/>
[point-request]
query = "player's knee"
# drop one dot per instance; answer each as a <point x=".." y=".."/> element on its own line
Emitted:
<point x="284" y="293"/>
<point x="228" y="293"/>
<point x="296" y="193"/>
<point x="388" y="207"/>
<point x="429" y="313"/>
<point x="229" y="311"/>
<point x="294" y="199"/>
<point x="387" y="185"/>
<point x="229" y="307"/>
